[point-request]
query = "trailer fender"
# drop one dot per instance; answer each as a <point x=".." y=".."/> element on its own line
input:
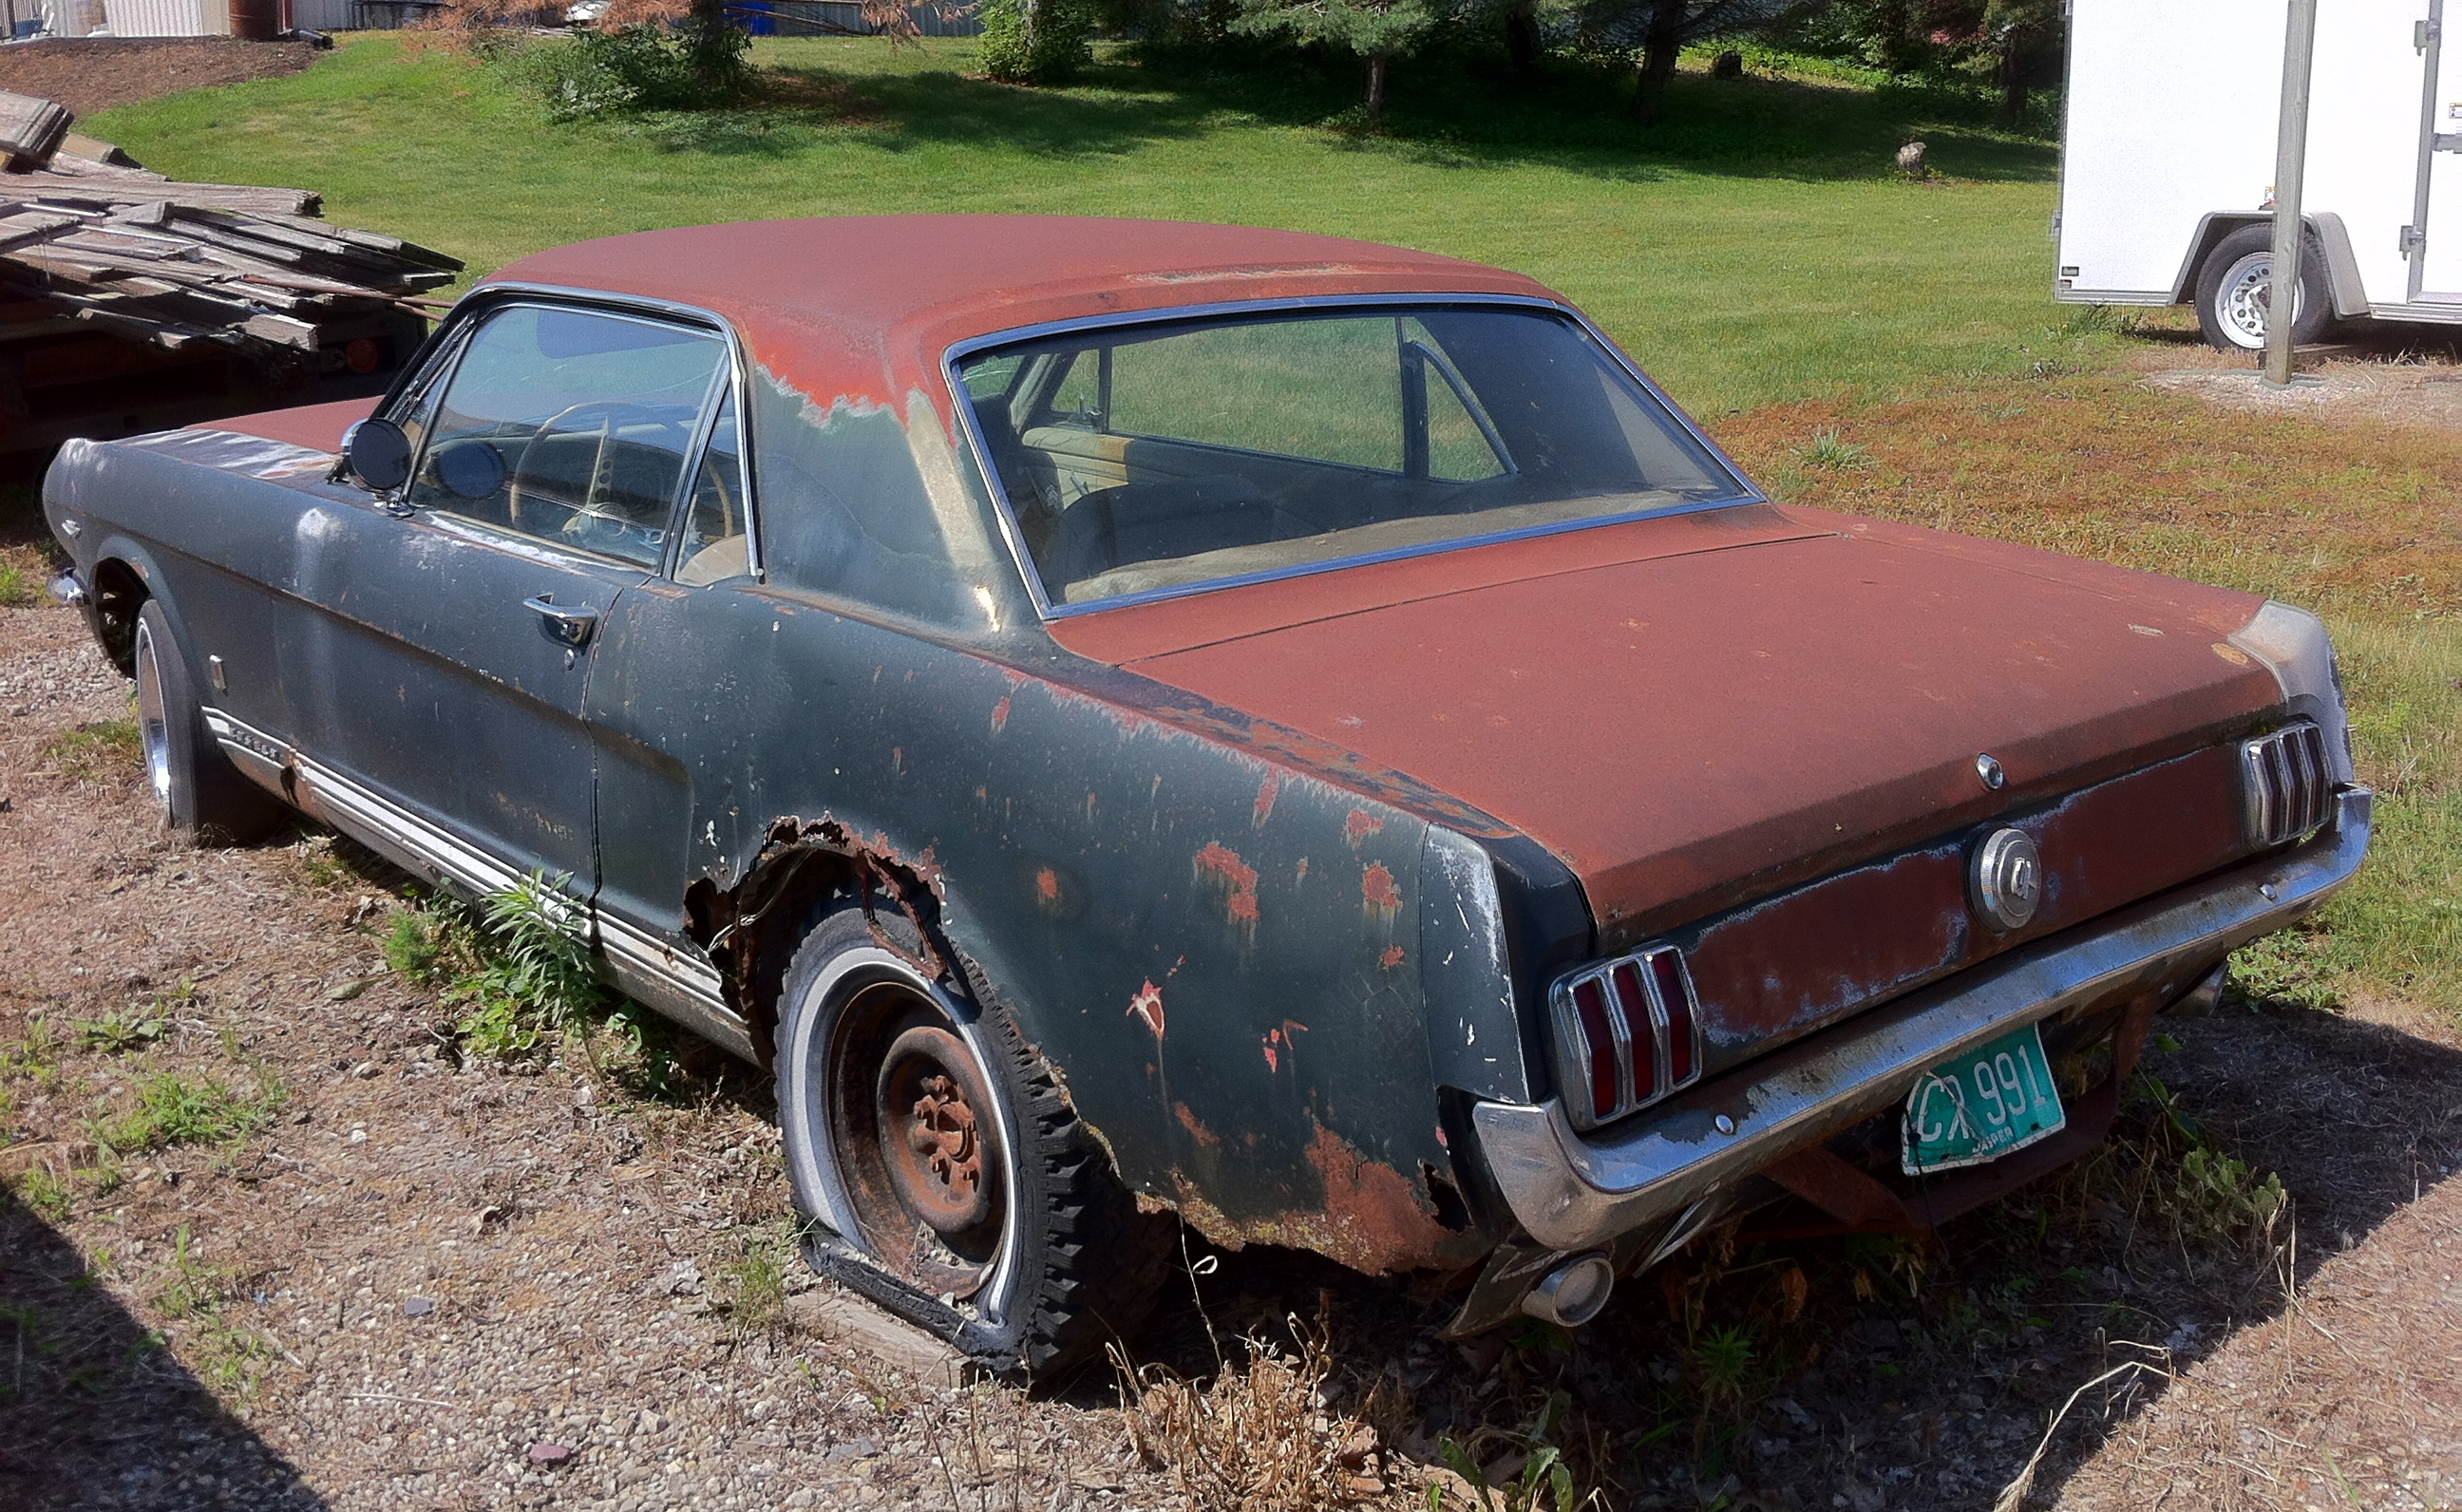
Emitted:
<point x="2325" y="232"/>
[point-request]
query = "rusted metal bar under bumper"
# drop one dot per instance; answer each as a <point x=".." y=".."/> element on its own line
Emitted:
<point x="1572" y="1191"/>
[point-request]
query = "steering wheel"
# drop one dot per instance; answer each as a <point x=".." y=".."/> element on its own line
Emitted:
<point x="612" y="414"/>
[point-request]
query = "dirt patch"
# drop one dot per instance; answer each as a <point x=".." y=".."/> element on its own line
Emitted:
<point x="94" y="74"/>
<point x="2399" y="376"/>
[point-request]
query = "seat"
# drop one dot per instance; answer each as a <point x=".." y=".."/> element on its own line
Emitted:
<point x="1148" y="522"/>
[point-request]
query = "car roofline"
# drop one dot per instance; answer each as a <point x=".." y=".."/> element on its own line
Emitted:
<point x="962" y="407"/>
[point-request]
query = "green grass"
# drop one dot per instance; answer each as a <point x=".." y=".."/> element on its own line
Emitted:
<point x="100" y="750"/>
<point x="175" y="1110"/>
<point x="1755" y="247"/>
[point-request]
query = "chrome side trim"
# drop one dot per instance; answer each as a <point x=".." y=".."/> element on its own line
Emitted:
<point x="1570" y="1192"/>
<point x="678" y="985"/>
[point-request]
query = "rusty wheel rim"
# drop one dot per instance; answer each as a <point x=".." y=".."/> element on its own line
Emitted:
<point x="917" y="1139"/>
<point x="933" y="1135"/>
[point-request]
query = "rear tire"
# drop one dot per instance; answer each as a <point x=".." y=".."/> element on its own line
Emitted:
<point x="944" y="1175"/>
<point x="2234" y="289"/>
<point x="203" y="798"/>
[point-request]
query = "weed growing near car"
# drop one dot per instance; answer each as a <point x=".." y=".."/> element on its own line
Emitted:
<point x="99" y="752"/>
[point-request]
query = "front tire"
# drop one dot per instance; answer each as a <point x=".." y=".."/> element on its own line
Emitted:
<point x="2235" y="287"/>
<point x="942" y="1172"/>
<point x="203" y="798"/>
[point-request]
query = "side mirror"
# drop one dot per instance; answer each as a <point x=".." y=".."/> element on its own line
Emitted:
<point x="378" y="453"/>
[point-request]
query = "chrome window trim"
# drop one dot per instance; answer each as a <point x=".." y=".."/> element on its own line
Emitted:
<point x="486" y="298"/>
<point x="963" y="408"/>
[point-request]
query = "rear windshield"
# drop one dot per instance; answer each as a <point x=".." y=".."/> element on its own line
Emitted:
<point x="1162" y="456"/>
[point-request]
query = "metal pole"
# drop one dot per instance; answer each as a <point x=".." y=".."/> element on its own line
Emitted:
<point x="2290" y="162"/>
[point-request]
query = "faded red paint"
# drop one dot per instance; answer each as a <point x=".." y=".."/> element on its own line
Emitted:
<point x="1000" y="716"/>
<point x="1376" y="886"/>
<point x="1188" y="1120"/>
<point x="1391" y="957"/>
<point x="1047" y="885"/>
<point x="317" y="426"/>
<point x="1146" y="1008"/>
<point x="1273" y="1050"/>
<point x="1239" y="877"/>
<point x="1807" y="690"/>
<point x="861" y="309"/>
<point x="1359" y="825"/>
<point x="1784" y="967"/>
<point x="1266" y="792"/>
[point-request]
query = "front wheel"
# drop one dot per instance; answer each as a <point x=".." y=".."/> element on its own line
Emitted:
<point x="2236" y="292"/>
<point x="944" y="1175"/>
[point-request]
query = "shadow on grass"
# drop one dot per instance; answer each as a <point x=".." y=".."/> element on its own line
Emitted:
<point x="95" y="1412"/>
<point x="1866" y="1371"/>
<point x="1446" y="112"/>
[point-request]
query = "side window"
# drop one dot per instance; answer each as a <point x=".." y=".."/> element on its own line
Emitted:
<point x="418" y="406"/>
<point x="718" y="540"/>
<point x="570" y="426"/>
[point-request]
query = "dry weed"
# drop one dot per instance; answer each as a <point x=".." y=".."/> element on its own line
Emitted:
<point x="1263" y="1438"/>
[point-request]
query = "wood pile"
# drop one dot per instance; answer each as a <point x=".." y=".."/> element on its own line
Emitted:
<point x="88" y="235"/>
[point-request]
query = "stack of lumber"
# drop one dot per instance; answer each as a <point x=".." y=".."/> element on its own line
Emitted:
<point x="86" y="234"/>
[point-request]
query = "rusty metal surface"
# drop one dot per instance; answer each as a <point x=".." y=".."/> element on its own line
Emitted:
<point x="1781" y="967"/>
<point x="1273" y="878"/>
<point x="1689" y="731"/>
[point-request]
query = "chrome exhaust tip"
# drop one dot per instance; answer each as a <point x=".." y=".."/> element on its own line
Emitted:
<point x="1572" y="1293"/>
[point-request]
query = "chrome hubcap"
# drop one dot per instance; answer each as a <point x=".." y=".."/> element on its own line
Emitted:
<point x="151" y="726"/>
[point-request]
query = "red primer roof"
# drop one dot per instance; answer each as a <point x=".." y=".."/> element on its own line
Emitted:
<point x="863" y="306"/>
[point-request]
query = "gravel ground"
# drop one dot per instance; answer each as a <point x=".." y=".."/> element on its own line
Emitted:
<point x="426" y="1282"/>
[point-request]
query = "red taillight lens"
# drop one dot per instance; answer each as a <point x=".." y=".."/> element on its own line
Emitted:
<point x="1590" y="1003"/>
<point x="1634" y="1004"/>
<point x="1667" y="970"/>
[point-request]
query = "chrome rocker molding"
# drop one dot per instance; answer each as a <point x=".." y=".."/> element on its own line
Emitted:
<point x="1572" y="1191"/>
<point x="640" y="964"/>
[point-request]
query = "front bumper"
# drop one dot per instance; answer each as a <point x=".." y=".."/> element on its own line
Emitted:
<point x="1572" y="1191"/>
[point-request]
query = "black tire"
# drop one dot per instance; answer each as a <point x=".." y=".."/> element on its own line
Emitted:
<point x="1029" y="1265"/>
<point x="2232" y="291"/>
<point x="203" y="798"/>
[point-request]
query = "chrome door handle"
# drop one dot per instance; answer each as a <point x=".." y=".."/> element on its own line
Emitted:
<point x="570" y="628"/>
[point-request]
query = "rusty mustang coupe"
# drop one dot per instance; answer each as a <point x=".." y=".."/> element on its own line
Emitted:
<point x="1129" y="718"/>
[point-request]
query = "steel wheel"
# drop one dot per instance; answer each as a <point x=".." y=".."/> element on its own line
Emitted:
<point x="945" y="1174"/>
<point x="153" y="726"/>
<point x="2234" y="291"/>
<point x="2241" y="302"/>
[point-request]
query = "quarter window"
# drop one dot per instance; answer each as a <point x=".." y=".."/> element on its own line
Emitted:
<point x="572" y="426"/>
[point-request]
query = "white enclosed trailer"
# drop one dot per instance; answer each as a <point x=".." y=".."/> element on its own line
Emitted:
<point x="2168" y="162"/>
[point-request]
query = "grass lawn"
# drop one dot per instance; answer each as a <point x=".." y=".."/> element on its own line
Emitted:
<point x="1752" y="251"/>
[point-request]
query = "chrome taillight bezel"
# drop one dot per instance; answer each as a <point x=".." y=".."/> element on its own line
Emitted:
<point x="1626" y="1024"/>
<point x="2286" y="783"/>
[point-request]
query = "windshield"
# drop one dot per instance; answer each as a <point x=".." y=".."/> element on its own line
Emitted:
<point x="1141" y="459"/>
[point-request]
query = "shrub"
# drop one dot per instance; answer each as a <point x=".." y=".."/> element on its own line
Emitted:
<point x="1035" y="41"/>
<point x="631" y="68"/>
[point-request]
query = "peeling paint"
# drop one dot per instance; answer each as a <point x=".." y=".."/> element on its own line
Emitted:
<point x="1000" y="715"/>
<point x="1046" y="886"/>
<point x="1377" y="885"/>
<point x="1391" y="957"/>
<point x="1359" y="826"/>
<point x="1146" y="1008"/>
<point x="1266" y="793"/>
<point x="1238" y="875"/>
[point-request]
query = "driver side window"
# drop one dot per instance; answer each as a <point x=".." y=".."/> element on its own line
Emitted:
<point x="570" y="426"/>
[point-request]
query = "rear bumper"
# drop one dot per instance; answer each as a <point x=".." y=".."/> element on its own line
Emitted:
<point x="1574" y="1192"/>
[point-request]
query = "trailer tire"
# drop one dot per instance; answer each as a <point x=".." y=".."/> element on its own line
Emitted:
<point x="2232" y="289"/>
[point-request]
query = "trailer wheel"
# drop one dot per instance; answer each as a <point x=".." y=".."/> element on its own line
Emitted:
<point x="2234" y="285"/>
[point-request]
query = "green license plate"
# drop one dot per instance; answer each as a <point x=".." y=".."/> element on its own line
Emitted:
<point x="1993" y="1100"/>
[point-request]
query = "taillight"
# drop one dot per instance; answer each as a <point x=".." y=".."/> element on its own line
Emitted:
<point x="2287" y="785"/>
<point x="1628" y="1032"/>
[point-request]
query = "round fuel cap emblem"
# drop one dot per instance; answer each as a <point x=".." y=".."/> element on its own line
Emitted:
<point x="2007" y="881"/>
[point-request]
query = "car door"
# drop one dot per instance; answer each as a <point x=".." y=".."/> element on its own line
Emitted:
<point x="460" y="629"/>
